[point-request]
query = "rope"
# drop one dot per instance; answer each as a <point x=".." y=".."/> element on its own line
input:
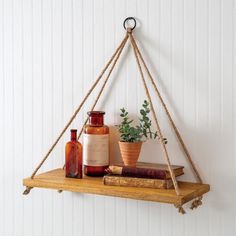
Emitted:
<point x="137" y="56"/>
<point x="168" y="114"/>
<point x="155" y="117"/>
<point x="196" y="203"/>
<point x="79" y="108"/>
<point x="27" y="190"/>
<point x="180" y="209"/>
<point x="104" y="84"/>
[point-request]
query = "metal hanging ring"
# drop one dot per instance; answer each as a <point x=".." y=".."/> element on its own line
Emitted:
<point x="129" y="19"/>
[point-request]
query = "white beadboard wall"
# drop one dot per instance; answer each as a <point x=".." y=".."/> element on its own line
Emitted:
<point x="50" y="53"/>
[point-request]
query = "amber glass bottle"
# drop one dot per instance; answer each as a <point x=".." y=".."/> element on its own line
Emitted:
<point x="96" y="145"/>
<point x="73" y="156"/>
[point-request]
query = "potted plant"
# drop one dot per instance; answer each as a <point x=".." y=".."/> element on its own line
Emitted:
<point x="132" y="136"/>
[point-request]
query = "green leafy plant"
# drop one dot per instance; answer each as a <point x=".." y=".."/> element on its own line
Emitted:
<point x="131" y="133"/>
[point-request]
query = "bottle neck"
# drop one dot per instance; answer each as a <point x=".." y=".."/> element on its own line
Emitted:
<point x="73" y="135"/>
<point x="96" y="120"/>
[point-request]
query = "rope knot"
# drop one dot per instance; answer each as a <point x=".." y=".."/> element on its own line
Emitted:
<point x="180" y="209"/>
<point x="196" y="203"/>
<point x="129" y="30"/>
<point x="27" y="190"/>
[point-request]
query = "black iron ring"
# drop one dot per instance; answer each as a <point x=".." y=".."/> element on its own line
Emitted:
<point x="128" y="19"/>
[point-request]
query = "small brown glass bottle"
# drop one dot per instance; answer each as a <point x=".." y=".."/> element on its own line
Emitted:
<point x="73" y="156"/>
<point x="96" y="145"/>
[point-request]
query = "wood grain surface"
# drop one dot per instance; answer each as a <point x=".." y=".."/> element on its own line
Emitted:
<point x="55" y="180"/>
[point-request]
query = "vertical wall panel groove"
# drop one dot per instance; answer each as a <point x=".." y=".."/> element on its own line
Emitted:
<point x="3" y="120"/>
<point x="52" y="51"/>
<point x="234" y="95"/>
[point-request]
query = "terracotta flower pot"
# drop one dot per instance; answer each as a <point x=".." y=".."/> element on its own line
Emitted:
<point x="130" y="152"/>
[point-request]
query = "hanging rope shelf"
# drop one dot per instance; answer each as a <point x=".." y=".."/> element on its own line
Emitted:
<point x="183" y="191"/>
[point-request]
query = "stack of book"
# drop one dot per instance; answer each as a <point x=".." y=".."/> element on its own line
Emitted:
<point x="146" y="175"/>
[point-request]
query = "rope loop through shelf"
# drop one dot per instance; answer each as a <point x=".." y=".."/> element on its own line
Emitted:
<point x="141" y="66"/>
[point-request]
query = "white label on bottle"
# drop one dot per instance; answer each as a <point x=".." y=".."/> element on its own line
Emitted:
<point x="96" y="149"/>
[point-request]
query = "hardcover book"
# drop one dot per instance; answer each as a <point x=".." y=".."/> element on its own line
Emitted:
<point x="146" y="170"/>
<point x="117" y="180"/>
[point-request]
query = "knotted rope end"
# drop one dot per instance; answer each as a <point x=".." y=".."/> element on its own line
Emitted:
<point x="180" y="209"/>
<point x="196" y="203"/>
<point x="27" y="190"/>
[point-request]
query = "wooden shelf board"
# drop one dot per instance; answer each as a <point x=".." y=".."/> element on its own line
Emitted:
<point x="55" y="179"/>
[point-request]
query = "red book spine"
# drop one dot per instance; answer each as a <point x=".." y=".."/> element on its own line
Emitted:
<point x="143" y="173"/>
